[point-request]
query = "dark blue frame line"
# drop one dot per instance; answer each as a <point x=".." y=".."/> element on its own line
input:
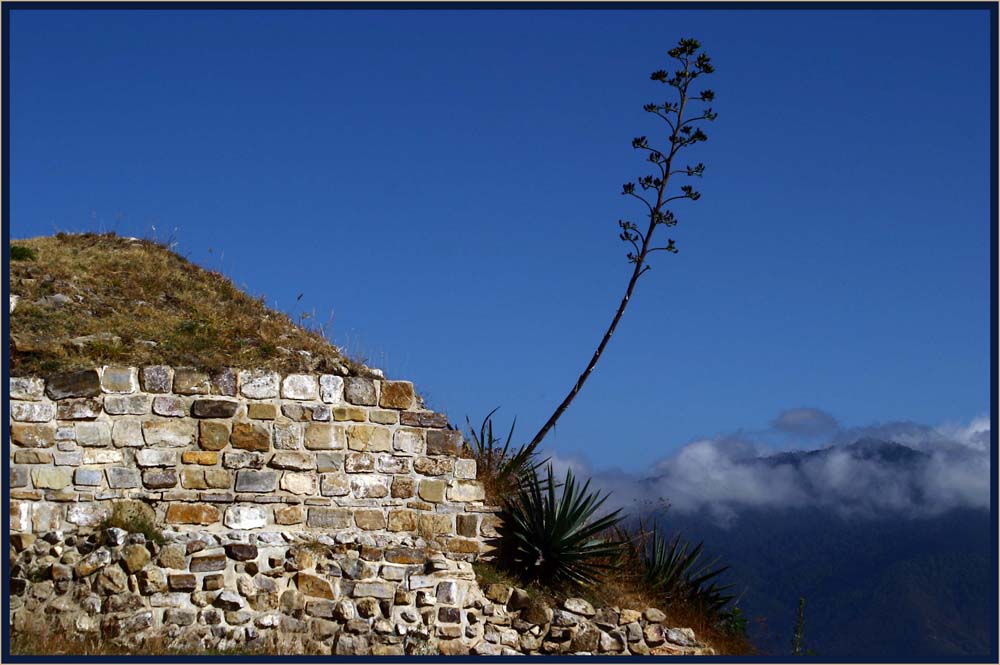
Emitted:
<point x="6" y="9"/>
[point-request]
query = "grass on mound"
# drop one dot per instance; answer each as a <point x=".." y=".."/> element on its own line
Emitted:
<point x="135" y="302"/>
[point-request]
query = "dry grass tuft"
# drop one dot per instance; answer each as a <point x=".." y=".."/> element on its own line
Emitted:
<point x="145" y="305"/>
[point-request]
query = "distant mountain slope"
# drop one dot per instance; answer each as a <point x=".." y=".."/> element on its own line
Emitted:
<point x="898" y="588"/>
<point x="89" y="299"/>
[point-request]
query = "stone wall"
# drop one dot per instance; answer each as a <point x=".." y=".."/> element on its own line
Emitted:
<point x="292" y="514"/>
<point x="241" y="450"/>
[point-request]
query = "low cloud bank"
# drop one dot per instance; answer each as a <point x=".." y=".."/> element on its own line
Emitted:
<point x="897" y="469"/>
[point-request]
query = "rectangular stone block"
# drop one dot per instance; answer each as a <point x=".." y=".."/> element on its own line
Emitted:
<point x="408" y="441"/>
<point x="374" y="590"/>
<point x="328" y="462"/>
<point x="170" y="406"/>
<point x="157" y="379"/>
<point x="298" y="483"/>
<point x="214" y="408"/>
<point x="261" y="411"/>
<point x="26" y="388"/>
<point x="50" y="478"/>
<point x="120" y="380"/>
<point x="334" y="484"/>
<point x="369" y="438"/>
<point x="122" y="478"/>
<point x="323" y="436"/>
<point x="462" y="491"/>
<point x="213" y="435"/>
<point x="329" y="518"/>
<point x="432" y="490"/>
<point x="369" y="486"/>
<point x="203" y="457"/>
<point x="218" y="478"/>
<point x="423" y="419"/>
<point x="300" y="386"/>
<point x="396" y="395"/>
<point x="73" y="384"/>
<point x="188" y="381"/>
<point x="259" y="384"/>
<point x="150" y="457"/>
<point x="465" y="469"/>
<point x="32" y="457"/>
<point x="295" y="461"/>
<point x="192" y="513"/>
<point x="383" y="416"/>
<point x="33" y="436"/>
<point x="256" y="481"/>
<point x="369" y="520"/>
<point x="245" y="517"/>
<point x="331" y="389"/>
<point x="444" y="442"/>
<point x="102" y="456"/>
<point x="250" y="436"/>
<point x="159" y="479"/>
<point x="193" y="479"/>
<point x="393" y="465"/>
<point x="360" y="391"/>
<point x="33" y="412"/>
<point x="173" y="433"/>
<point x="349" y="413"/>
<point x="208" y="563"/>
<point x="287" y="515"/>
<point x="402" y="520"/>
<point x="89" y="477"/>
<point x="133" y="405"/>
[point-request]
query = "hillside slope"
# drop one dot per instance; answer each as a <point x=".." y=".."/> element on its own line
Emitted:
<point x="93" y="299"/>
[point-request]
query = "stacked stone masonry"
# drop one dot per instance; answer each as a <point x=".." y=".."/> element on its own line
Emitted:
<point x="308" y="513"/>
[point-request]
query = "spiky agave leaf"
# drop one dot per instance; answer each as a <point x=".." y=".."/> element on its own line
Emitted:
<point x="553" y="537"/>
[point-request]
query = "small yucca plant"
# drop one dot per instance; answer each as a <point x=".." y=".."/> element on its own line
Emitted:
<point x="551" y="536"/>
<point x="500" y="467"/>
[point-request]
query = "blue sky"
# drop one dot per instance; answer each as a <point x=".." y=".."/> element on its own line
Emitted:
<point x="446" y="185"/>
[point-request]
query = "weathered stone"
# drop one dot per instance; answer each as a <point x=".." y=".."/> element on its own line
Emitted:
<point x="465" y="469"/>
<point x="150" y="457"/>
<point x="213" y="435"/>
<point x="331" y="389"/>
<point x="323" y="436"/>
<point x="369" y="486"/>
<point x="313" y="585"/>
<point x="33" y="412"/>
<point x="207" y="563"/>
<point x="73" y="384"/>
<point x="152" y="580"/>
<point x="383" y="416"/>
<point x="33" y="457"/>
<point x="294" y="461"/>
<point x="218" y="478"/>
<point x="203" y="457"/>
<point x="89" y="477"/>
<point x="578" y="606"/>
<point x="229" y="601"/>
<point x="359" y="463"/>
<point x="369" y="520"/>
<point x="259" y="384"/>
<point x="119" y="380"/>
<point x="300" y="386"/>
<point x="653" y="634"/>
<point x="134" y="558"/>
<point x="396" y="395"/>
<point x="466" y="490"/>
<point x="298" y="483"/>
<point x="94" y="434"/>
<point x="112" y="581"/>
<point x="183" y="582"/>
<point x="403" y="488"/>
<point x="444" y="442"/>
<point x="360" y="391"/>
<point x="654" y="615"/>
<point x="93" y="562"/>
<point x="435" y="523"/>
<point x="329" y="462"/>
<point x="331" y="518"/>
<point x="518" y="600"/>
<point x="131" y="405"/>
<point x="213" y="582"/>
<point x="173" y="433"/>
<point x="681" y="636"/>
<point x="27" y="388"/>
<point x="585" y="640"/>
<point x="432" y="467"/>
<point x="158" y="479"/>
<point x="627" y="616"/>
<point x="18" y="476"/>
<point x="243" y="460"/>
<point x="393" y="465"/>
<point x="463" y="546"/>
<point x="127" y="433"/>
<point x="287" y="435"/>
<point x="423" y="419"/>
<point x="102" y="456"/>
<point x="256" y="481"/>
<point x="374" y="590"/>
<point x="334" y="484"/>
<point x="289" y="515"/>
<point x="245" y="517"/>
<point x="173" y="556"/>
<point x="498" y="593"/>
<point x="87" y="514"/>
<point x="224" y="382"/>
<point x="191" y="382"/>
<point x="467" y="525"/>
<point x="250" y="436"/>
<point x="169" y="406"/>
<point x="192" y="513"/>
<point x="261" y="411"/>
<point x="369" y="438"/>
<point x="213" y="408"/>
<point x="179" y="617"/>
<point x="157" y="379"/>
<point x="352" y="413"/>
<point x="33" y="436"/>
<point x="537" y="612"/>
<point x="432" y="490"/>
<point x="122" y="478"/>
<point x="50" y="478"/>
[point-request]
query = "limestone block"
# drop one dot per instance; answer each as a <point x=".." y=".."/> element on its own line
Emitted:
<point x="287" y="435"/>
<point x="134" y="405"/>
<point x="369" y="438"/>
<point x="369" y="486"/>
<point x="444" y="442"/>
<point x="370" y="520"/>
<point x="396" y="395"/>
<point x="26" y="388"/>
<point x="214" y="408"/>
<point x="245" y="517"/>
<point x="352" y="413"/>
<point x="465" y="490"/>
<point x="261" y="411"/>
<point x="256" y="481"/>
<point x="170" y="406"/>
<point x="360" y="391"/>
<point x="213" y="435"/>
<point x="157" y="379"/>
<point x="192" y="513"/>
<point x="331" y="518"/>
<point x="120" y="380"/>
<point x="33" y="436"/>
<point x="188" y="381"/>
<point x="33" y="412"/>
<point x="173" y="433"/>
<point x="102" y="456"/>
<point x="50" y="478"/>
<point x="465" y="469"/>
<point x="331" y="389"/>
<point x="73" y="384"/>
<point x="296" y="461"/>
<point x="259" y="384"/>
<point x="324" y="436"/>
<point x="122" y="478"/>
<point x="87" y="514"/>
<point x="334" y="484"/>
<point x="125" y="433"/>
<point x="149" y="457"/>
<point x="298" y="483"/>
<point x="250" y="436"/>
<point x="300" y="386"/>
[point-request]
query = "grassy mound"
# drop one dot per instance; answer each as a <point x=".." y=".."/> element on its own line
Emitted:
<point x="95" y="299"/>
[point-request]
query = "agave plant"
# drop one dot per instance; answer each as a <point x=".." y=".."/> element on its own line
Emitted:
<point x="501" y="467"/>
<point x="553" y="537"/>
<point x="675" y="570"/>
